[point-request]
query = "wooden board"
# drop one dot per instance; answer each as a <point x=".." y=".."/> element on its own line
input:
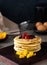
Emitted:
<point x="10" y="54"/>
<point x="5" y="61"/>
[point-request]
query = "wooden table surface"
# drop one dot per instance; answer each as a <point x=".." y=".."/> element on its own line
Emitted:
<point x="6" y="61"/>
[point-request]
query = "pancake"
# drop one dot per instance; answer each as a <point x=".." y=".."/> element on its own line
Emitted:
<point x="27" y="44"/>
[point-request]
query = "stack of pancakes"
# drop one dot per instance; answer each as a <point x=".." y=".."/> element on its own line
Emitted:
<point x="27" y="44"/>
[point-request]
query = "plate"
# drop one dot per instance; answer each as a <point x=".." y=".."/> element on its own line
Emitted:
<point x="39" y="32"/>
<point x="9" y="53"/>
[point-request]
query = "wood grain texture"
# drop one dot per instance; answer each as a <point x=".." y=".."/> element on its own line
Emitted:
<point x="6" y="61"/>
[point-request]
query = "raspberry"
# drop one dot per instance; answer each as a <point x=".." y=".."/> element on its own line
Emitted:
<point x="24" y="35"/>
<point x="27" y="37"/>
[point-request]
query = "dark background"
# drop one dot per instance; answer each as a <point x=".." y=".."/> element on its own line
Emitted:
<point x="20" y="10"/>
